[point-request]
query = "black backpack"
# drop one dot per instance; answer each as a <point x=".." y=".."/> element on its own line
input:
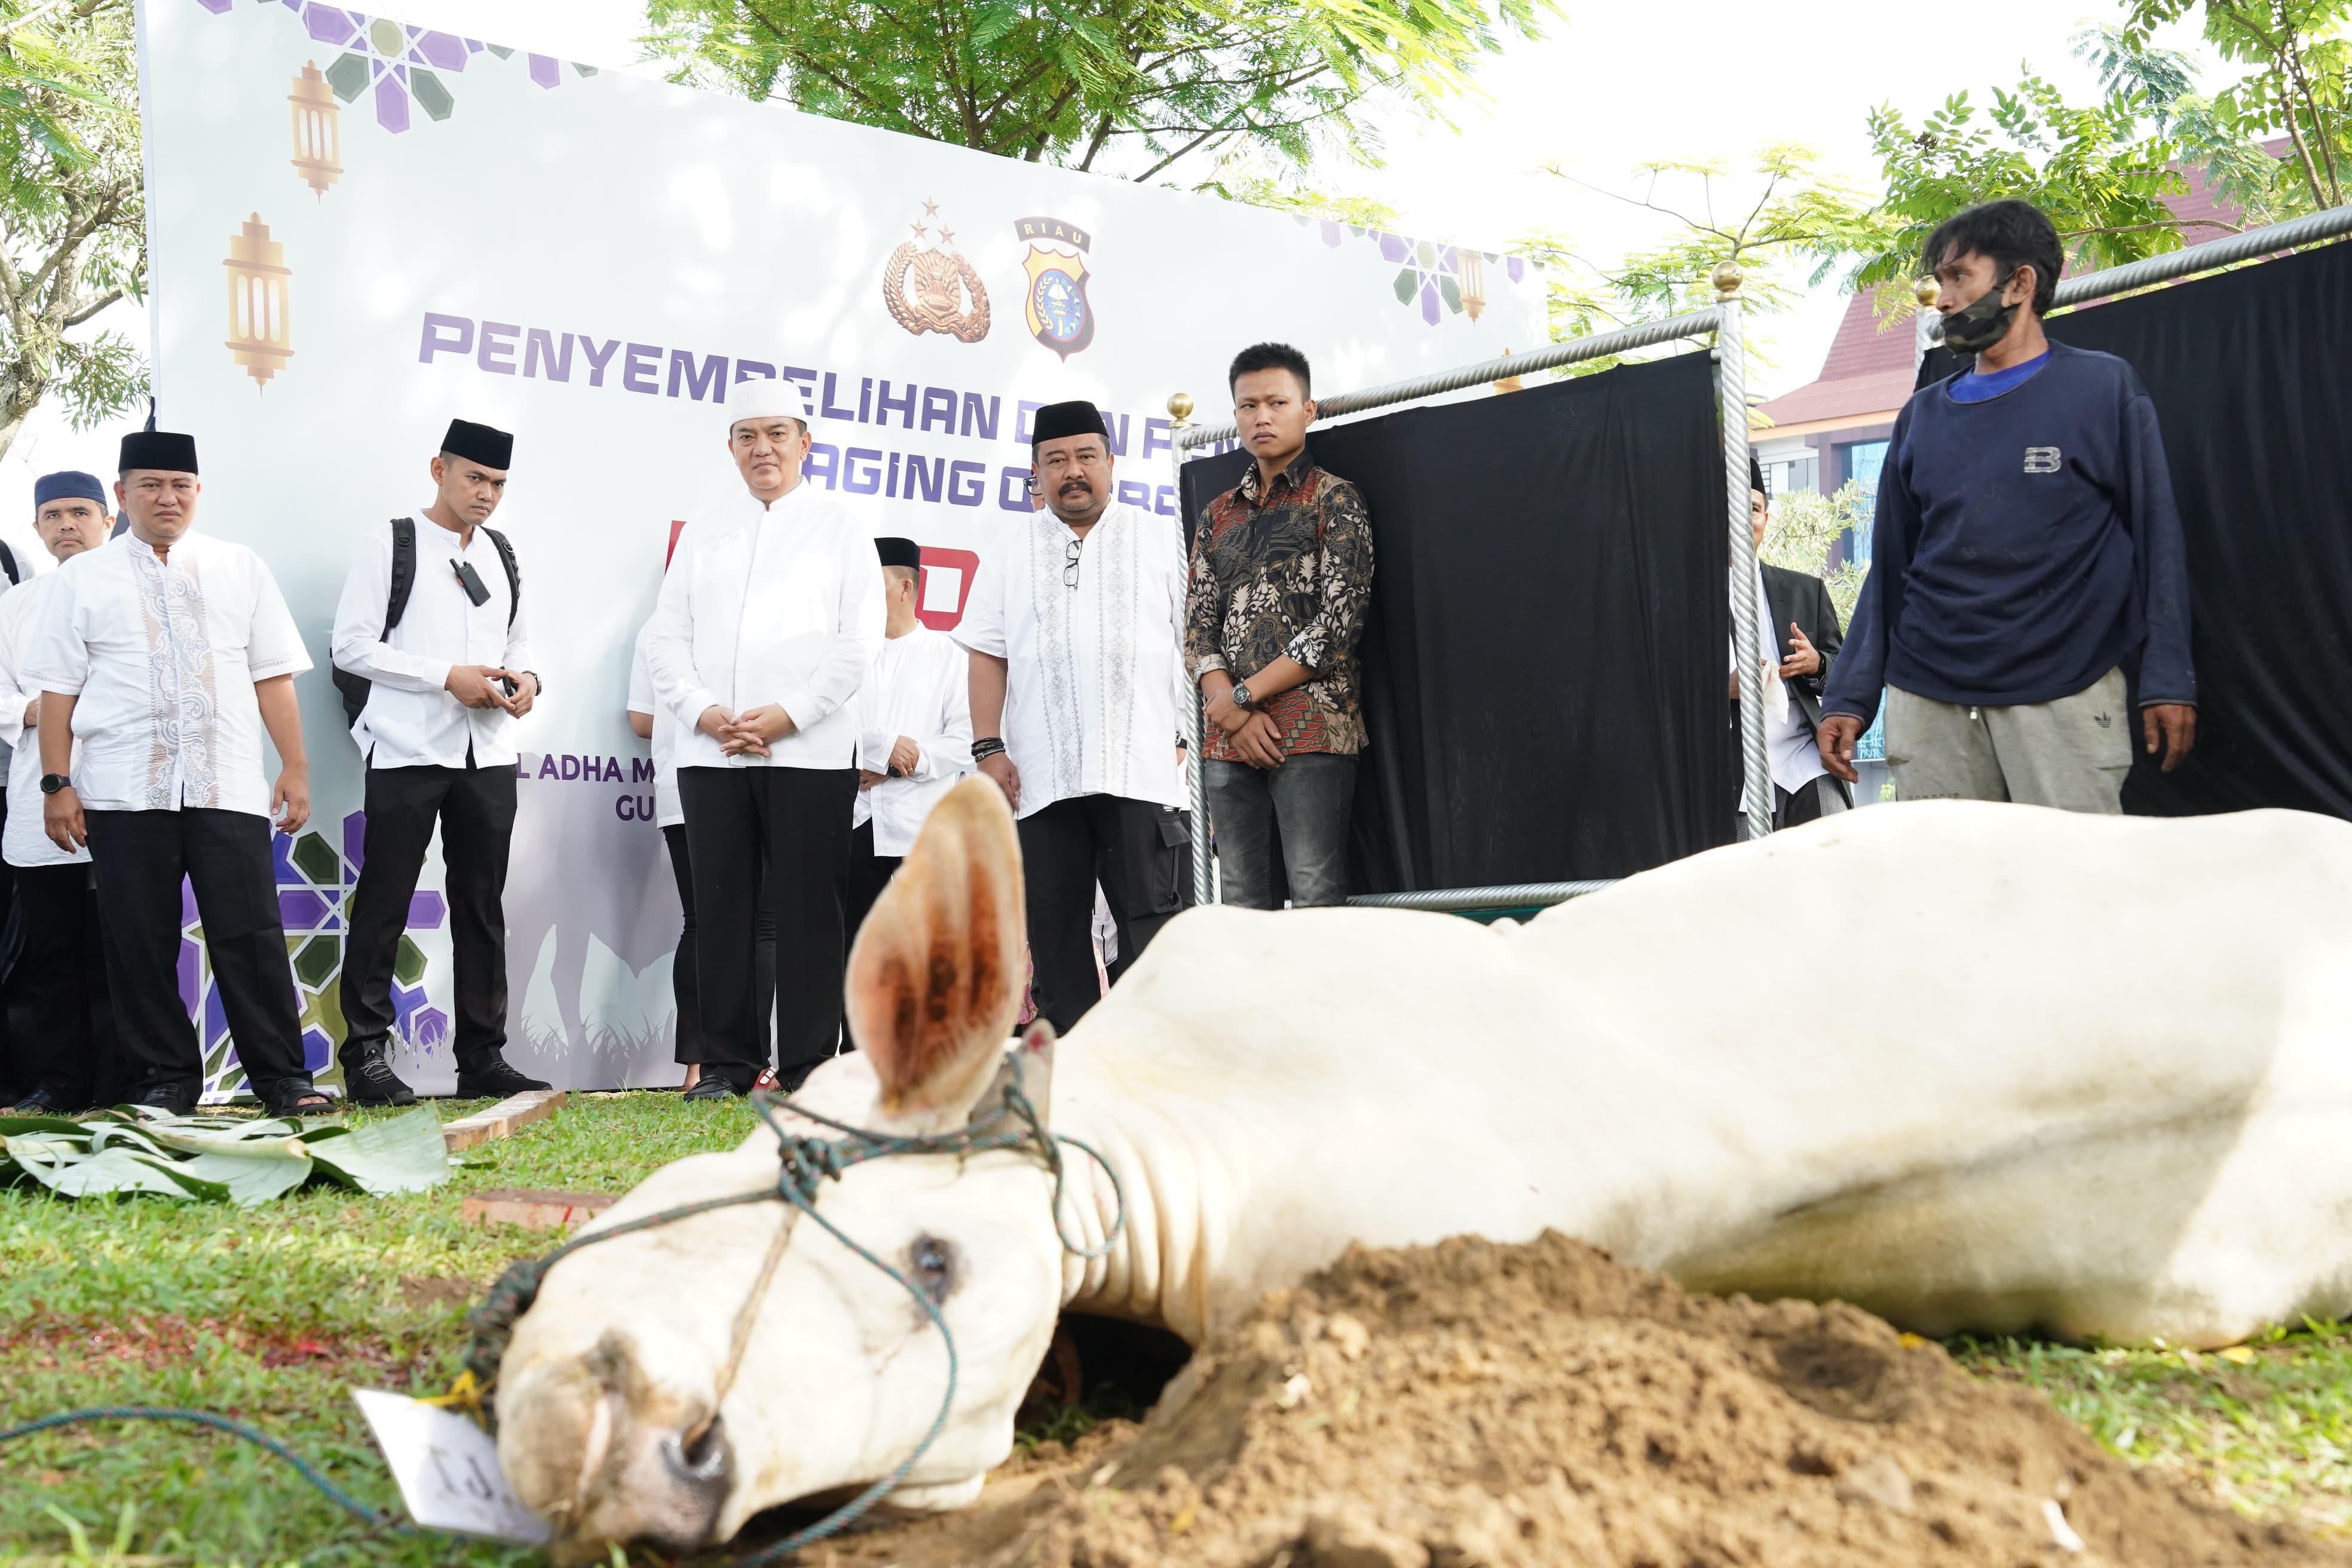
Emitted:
<point x="355" y="688"/>
<point x="8" y="564"/>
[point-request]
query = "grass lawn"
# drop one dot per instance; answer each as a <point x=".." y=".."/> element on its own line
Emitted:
<point x="271" y="1316"/>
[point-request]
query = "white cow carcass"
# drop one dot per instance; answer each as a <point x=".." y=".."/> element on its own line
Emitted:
<point x="1974" y="1067"/>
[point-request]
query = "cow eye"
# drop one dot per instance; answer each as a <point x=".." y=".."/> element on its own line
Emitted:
<point x="934" y="1266"/>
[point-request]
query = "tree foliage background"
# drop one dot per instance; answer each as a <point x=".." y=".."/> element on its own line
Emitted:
<point x="72" y="209"/>
<point x="1127" y="87"/>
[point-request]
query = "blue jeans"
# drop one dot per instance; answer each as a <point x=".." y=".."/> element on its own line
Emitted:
<point x="1307" y="802"/>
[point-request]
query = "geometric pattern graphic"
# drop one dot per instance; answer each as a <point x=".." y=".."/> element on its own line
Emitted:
<point x="315" y="877"/>
<point x="404" y="69"/>
<point x="1432" y="276"/>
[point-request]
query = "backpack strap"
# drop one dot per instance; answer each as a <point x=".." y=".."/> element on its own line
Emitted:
<point x="354" y="688"/>
<point x="403" y="572"/>
<point x="9" y="563"/>
<point x="514" y="572"/>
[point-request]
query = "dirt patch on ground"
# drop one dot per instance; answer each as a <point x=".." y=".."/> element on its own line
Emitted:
<point x="1473" y="1406"/>
<point x="168" y="1339"/>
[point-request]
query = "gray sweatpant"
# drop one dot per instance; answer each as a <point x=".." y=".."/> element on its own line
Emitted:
<point x="2072" y="753"/>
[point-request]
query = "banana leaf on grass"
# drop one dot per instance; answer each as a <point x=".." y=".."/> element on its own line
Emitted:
<point x="220" y="1158"/>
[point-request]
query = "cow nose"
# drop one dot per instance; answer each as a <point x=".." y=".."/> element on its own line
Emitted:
<point x="701" y="1462"/>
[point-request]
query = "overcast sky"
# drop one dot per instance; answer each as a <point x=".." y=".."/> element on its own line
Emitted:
<point x="1614" y="85"/>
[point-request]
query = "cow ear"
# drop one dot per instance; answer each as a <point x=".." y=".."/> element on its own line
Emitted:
<point x="935" y="977"/>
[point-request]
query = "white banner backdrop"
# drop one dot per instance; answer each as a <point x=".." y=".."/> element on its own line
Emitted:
<point x="360" y="228"/>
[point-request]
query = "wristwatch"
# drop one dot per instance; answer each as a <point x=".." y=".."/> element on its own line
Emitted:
<point x="52" y="782"/>
<point x="1241" y="694"/>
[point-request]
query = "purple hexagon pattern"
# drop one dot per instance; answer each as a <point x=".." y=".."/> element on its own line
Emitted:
<point x="402" y="70"/>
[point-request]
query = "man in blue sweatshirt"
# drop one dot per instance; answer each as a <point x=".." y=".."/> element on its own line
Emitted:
<point x="2026" y="557"/>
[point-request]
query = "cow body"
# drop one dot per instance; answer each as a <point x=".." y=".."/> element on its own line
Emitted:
<point x="1974" y="1067"/>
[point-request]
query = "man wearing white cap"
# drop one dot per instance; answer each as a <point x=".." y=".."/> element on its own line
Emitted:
<point x="769" y="619"/>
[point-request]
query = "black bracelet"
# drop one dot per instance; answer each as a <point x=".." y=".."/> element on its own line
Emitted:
<point x="987" y="746"/>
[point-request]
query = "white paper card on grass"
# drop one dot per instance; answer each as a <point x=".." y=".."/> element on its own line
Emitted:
<point x="448" y="1468"/>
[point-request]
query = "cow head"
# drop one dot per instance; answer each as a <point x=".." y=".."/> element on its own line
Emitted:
<point x="615" y="1419"/>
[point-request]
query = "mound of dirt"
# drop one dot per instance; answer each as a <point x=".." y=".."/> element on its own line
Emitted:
<point x="1474" y="1405"/>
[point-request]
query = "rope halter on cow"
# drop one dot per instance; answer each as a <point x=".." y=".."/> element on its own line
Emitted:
<point x="805" y="1163"/>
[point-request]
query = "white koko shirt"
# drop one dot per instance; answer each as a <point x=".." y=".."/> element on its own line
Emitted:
<point x="1095" y="673"/>
<point x="410" y="720"/>
<point x="25" y="843"/>
<point x="667" y="811"/>
<point x="763" y="605"/>
<point x="919" y="687"/>
<point x="163" y="655"/>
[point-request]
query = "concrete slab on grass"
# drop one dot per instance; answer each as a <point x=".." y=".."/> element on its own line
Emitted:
<point x="501" y="1120"/>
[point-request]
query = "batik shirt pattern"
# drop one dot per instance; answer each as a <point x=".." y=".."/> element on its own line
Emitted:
<point x="1285" y="572"/>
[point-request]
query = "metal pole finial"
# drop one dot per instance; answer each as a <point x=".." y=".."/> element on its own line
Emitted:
<point x="1180" y="409"/>
<point x="1728" y="278"/>
<point x="1925" y="291"/>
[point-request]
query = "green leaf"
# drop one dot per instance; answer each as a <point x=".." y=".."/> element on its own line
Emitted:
<point x="403" y="1154"/>
<point x="70" y="1169"/>
<point x="255" y="1161"/>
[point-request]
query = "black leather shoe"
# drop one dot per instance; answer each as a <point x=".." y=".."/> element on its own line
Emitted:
<point x="368" y="1079"/>
<point x="495" y="1081"/>
<point x="713" y="1085"/>
<point x="40" y="1102"/>
<point x="170" y="1098"/>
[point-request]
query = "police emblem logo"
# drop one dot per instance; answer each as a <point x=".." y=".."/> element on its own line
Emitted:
<point x="928" y="286"/>
<point x="1056" y="304"/>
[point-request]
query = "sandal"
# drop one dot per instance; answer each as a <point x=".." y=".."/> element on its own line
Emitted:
<point x="307" y="1103"/>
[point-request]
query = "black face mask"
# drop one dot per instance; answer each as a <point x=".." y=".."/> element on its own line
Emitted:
<point x="1977" y="326"/>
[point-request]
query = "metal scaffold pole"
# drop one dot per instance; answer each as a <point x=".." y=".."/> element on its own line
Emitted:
<point x="1204" y="881"/>
<point x="1731" y="379"/>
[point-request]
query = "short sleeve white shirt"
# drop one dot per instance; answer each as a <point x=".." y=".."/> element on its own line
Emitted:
<point x="25" y="843"/>
<point x="1094" y="668"/>
<point x="163" y="655"/>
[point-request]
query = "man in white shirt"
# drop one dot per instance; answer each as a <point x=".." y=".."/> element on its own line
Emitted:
<point x="165" y="655"/>
<point x="918" y="732"/>
<point x="1794" y="671"/>
<point x="431" y="653"/>
<point x="769" y="619"/>
<point x="66" y="1054"/>
<point x="650" y="720"/>
<point x="1076" y="630"/>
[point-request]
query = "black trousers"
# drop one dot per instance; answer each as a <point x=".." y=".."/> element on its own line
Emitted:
<point x="476" y="809"/>
<point x="1141" y="854"/>
<point x="783" y="831"/>
<point x="59" y="1012"/>
<point x="15" y="1076"/>
<point x="862" y="878"/>
<point x="682" y="968"/>
<point x="140" y="857"/>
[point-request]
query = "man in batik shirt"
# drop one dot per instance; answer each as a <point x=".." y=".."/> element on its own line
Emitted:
<point x="1281" y="573"/>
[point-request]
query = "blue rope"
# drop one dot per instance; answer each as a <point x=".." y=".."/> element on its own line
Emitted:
<point x="333" y="1493"/>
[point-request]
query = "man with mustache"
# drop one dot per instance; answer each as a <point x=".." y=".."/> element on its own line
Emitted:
<point x="431" y="651"/>
<point x="768" y="622"/>
<point x="1075" y="629"/>
<point x="2027" y="565"/>
<point x="65" y="1050"/>
<point x="165" y="655"/>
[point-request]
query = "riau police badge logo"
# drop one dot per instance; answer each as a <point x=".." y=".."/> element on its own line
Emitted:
<point x="1056" y="305"/>
<point x="933" y="288"/>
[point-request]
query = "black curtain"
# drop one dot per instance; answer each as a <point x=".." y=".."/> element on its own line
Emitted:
<point x="1544" y="663"/>
<point x="2252" y="375"/>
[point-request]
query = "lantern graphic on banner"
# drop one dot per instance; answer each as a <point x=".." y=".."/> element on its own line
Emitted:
<point x="318" y="130"/>
<point x="260" y="335"/>
<point x="1470" y="268"/>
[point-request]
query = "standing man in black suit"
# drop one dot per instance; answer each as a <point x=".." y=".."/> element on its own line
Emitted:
<point x="1802" y="626"/>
